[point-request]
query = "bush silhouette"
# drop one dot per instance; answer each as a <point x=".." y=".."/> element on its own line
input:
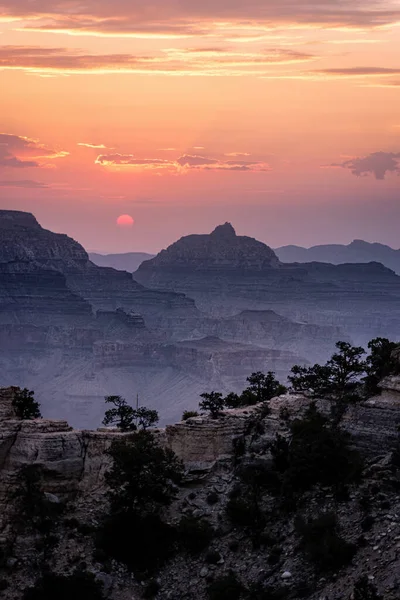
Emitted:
<point x="80" y="586"/>
<point x="226" y="587"/>
<point x="322" y="543"/>
<point x="25" y="405"/>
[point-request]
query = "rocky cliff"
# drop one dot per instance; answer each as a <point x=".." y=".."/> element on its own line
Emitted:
<point x="221" y="250"/>
<point x="73" y="463"/>
<point x="67" y="324"/>
<point x="74" y="459"/>
<point x="28" y="249"/>
<point x="227" y="274"/>
<point x="358" y="251"/>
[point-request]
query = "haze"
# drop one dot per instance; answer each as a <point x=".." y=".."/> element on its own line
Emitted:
<point x="280" y="116"/>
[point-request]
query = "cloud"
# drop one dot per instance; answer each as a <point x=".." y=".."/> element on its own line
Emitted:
<point x="188" y="160"/>
<point x="182" y="164"/>
<point x="360" y="71"/>
<point x="237" y="154"/>
<point x="203" y="61"/>
<point x="377" y="163"/>
<point x="96" y="146"/>
<point x="164" y="18"/>
<point x="24" y="183"/>
<point x="15" y="149"/>
<point x="129" y="160"/>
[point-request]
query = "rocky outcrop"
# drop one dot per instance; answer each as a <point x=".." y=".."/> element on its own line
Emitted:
<point x="201" y="441"/>
<point x="358" y="251"/>
<point x="74" y="460"/>
<point x="72" y="465"/>
<point x="226" y="275"/>
<point x="221" y="250"/>
<point x="23" y="240"/>
<point x="40" y="269"/>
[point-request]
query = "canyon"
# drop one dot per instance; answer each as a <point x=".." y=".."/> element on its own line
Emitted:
<point x="76" y="332"/>
<point x="73" y="464"/>
<point x="227" y="274"/>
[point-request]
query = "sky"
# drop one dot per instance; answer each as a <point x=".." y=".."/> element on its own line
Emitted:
<point x="280" y="116"/>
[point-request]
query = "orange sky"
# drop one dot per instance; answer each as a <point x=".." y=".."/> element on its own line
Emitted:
<point x="282" y="116"/>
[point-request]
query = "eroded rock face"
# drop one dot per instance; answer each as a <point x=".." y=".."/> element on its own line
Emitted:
<point x="73" y="464"/>
<point x="227" y="274"/>
<point x="200" y="441"/>
<point x="222" y="249"/>
<point x="75" y="460"/>
<point x="22" y="239"/>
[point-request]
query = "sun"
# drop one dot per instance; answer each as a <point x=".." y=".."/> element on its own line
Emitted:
<point x="125" y="221"/>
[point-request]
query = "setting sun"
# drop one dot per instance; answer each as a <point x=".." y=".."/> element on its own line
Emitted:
<point x="125" y="221"/>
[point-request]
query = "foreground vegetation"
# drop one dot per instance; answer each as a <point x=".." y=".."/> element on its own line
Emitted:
<point x="291" y="489"/>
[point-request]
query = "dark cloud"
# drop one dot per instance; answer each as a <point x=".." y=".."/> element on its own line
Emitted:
<point x="377" y="163"/>
<point x="185" y="162"/>
<point x="193" y="61"/>
<point x="18" y="152"/>
<point x="24" y="183"/>
<point x="188" y="160"/>
<point x="169" y="16"/>
<point x="362" y="71"/>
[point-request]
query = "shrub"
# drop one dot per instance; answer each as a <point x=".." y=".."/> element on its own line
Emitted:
<point x="322" y="544"/>
<point x="226" y="587"/>
<point x="25" y="405"/>
<point x="275" y="555"/>
<point x="121" y="415"/>
<point x="151" y="590"/>
<point x="239" y="447"/>
<point x="365" y="590"/>
<point x="240" y="511"/>
<point x="284" y="414"/>
<point x="380" y="363"/>
<point x="258" y="591"/>
<point x="195" y="535"/>
<point x="33" y="507"/>
<point x="338" y="379"/>
<point x="261" y="389"/>
<point x="142" y="543"/>
<point x="212" y="557"/>
<point x="318" y="453"/>
<point x="367" y="523"/>
<point x="212" y="498"/>
<point x="80" y="586"/>
<point x="145" y="417"/>
<point x="212" y="403"/>
<point x="188" y="414"/>
<point x="141" y="482"/>
<point x="142" y="475"/>
<point x="233" y="400"/>
<point x="264" y="387"/>
<point x="126" y="418"/>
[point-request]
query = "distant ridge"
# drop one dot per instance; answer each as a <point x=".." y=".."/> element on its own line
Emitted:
<point x="129" y="261"/>
<point x="222" y="249"/>
<point x="358" y="251"/>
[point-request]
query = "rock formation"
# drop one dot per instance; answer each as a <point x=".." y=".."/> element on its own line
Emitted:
<point x="227" y="274"/>
<point x="358" y="251"/>
<point x="129" y="261"/>
<point x="76" y="332"/>
<point x="221" y="250"/>
<point x="73" y="463"/>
